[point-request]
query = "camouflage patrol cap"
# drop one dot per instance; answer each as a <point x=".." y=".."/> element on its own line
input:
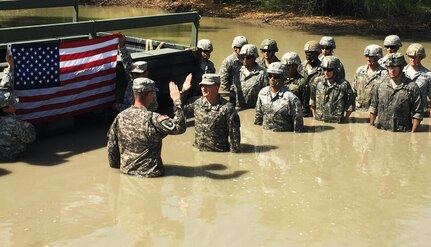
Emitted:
<point x="249" y="50"/>
<point x="395" y="60"/>
<point x="312" y="46"/>
<point x="205" y="45"/>
<point x="7" y="98"/>
<point x="139" y="67"/>
<point x="269" y="45"/>
<point x="144" y="84"/>
<point x="276" y="68"/>
<point x="210" y="79"/>
<point x="239" y="41"/>
<point x="327" y="41"/>
<point x="330" y="62"/>
<point x="290" y="58"/>
<point x="416" y="50"/>
<point x="373" y="51"/>
<point x="392" y="40"/>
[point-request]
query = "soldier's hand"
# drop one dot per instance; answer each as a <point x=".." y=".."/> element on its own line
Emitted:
<point x="9" y="60"/>
<point x="121" y="40"/>
<point x="173" y="91"/>
<point x="187" y="82"/>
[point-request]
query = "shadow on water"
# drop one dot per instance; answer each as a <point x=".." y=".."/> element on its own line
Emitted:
<point x="201" y="171"/>
<point x="249" y="148"/>
<point x="359" y="120"/>
<point x="318" y="128"/>
<point x="4" y="172"/>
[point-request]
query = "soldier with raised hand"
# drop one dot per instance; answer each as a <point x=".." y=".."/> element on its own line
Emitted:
<point x="135" y="136"/>
<point x="332" y="100"/>
<point x="268" y="47"/>
<point x="217" y="123"/>
<point x="229" y="69"/>
<point x="368" y="76"/>
<point x="396" y="102"/>
<point x="392" y="44"/>
<point x="15" y="134"/>
<point x="419" y="74"/>
<point x="277" y="109"/>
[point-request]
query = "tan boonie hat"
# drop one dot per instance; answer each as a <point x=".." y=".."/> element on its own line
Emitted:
<point x="210" y="79"/>
<point x="7" y="99"/>
<point x="144" y="84"/>
<point x="139" y="67"/>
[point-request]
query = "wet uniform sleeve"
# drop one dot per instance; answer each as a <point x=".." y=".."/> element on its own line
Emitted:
<point x="113" y="150"/>
<point x="298" y="122"/>
<point x="258" y="118"/>
<point x="225" y="75"/>
<point x="374" y="100"/>
<point x="350" y="99"/>
<point x="171" y="126"/>
<point x="234" y="131"/>
<point x="126" y="58"/>
<point x="416" y="103"/>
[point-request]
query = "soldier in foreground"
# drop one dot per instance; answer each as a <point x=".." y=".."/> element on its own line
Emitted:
<point x="397" y="100"/>
<point x="277" y="109"/>
<point x="217" y="124"/>
<point x="135" y="136"/>
<point x="15" y="134"/>
<point x="332" y="100"/>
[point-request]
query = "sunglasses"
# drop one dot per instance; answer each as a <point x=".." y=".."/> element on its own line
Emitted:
<point x="327" y="69"/>
<point x="275" y="76"/>
<point x="247" y="57"/>
<point x="326" y="48"/>
<point x="392" y="47"/>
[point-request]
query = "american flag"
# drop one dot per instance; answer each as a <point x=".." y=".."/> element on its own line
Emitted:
<point x="61" y="79"/>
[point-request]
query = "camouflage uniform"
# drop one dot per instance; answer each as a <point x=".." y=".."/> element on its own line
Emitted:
<point x="395" y="107"/>
<point x="214" y="125"/>
<point x="363" y="84"/>
<point x="310" y="81"/>
<point x="283" y="112"/>
<point x="263" y="64"/>
<point x="229" y="71"/>
<point x="422" y="78"/>
<point x="248" y="87"/>
<point x="129" y="99"/>
<point x="7" y="80"/>
<point x="135" y="137"/>
<point x="208" y="67"/>
<point x="332" y="101"/>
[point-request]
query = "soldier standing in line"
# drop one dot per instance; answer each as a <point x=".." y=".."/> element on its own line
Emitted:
<point x="135" y="136"/>
<point x="277" y="109"/>
<point x="268" y="47"/>
<point x="217" y="123"/>
<point x="392" y="44"/>
<point x="327" y="47"/>
<point x="294" y="81"/>
<point x="15" y="134"/>
<point x="205" y="48"/>
<point x="332" y="100"/>
<point x="229" y="69"/>
<point x="396" y="102"/>
<point x="310" y="69"/>
<point x="368" y="76"/>
<point x="419" y="74"/>
<point x="252" y="78"/>
<point x="132" y="70"/>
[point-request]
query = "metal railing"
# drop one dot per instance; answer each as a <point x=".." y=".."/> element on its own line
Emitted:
<point x="37" y="4"/>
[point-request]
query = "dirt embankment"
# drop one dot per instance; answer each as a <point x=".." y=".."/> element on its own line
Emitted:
<point x="250" y="13"/>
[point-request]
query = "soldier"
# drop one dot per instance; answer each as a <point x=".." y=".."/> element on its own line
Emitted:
<point x="252" y="78"/>
<point x="310" y="69"/>
<point x="205" y="48"/>
<point x="217" y="124"/>
<point x="135" y="136"/>
<point x="268" y="47"/>
<point x="368" y="76"/>
<point x="392" y="44"/>
<point x="294" y="81"/>
<point x="419" y="74"/>
<point x="229" y="69"/>
<point x="396" y="102"/>
<point x="327" y="47"/>
<point x="277" y="109"/>
<point x="15" y="134"/>
<point x="8" y="78"/>
<point x="332" y="100"/>
<point x="132" y="70"/>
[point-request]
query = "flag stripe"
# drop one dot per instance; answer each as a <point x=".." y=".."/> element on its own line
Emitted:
<point x="84" y="65"/>
<point x="88" y="44"/>
<point x="70" y="57"/>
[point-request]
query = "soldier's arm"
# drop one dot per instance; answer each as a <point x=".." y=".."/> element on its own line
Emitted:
<point x="26" y="132"/>
<point x="113" y="150"/>
<point x="8" y="79"/>
<point x="234" y="131"/>
<point x="298" y="121"/>
<point x="350" y="102"/>
<point x="125" y="54"/>
<point x="258" y="117"/>
<point x="225" y="75"/>
<point x="374" y="105"/>
<point x="313" y="100"/>
<point x="417" y="110"/>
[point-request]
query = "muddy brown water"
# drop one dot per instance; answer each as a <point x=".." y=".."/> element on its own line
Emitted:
<point x="334" y="185"/>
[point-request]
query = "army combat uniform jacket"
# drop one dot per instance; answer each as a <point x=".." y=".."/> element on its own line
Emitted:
<point x="422" y="78"/>
<point x="135" y="139"/>
<point x="248" y="87"/>
<point x="363" y="84"/>
<point x="395" y="107"/>
<point x="229" y="71"/>
<point x="281" y="112"/>
<point x="217" y="127"/>
<point x="14" y="136"/>
<point x="332" y="101"/>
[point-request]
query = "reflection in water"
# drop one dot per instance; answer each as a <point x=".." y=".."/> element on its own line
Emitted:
<point x="333" y="185"/>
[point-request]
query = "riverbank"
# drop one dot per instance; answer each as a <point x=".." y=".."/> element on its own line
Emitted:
<point x="249" y="13"/>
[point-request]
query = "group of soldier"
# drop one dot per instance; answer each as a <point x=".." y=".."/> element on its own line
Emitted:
<point x="282" y="92"/>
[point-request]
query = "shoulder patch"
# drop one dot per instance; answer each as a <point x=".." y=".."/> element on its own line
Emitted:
<point x="167" y="123"/>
